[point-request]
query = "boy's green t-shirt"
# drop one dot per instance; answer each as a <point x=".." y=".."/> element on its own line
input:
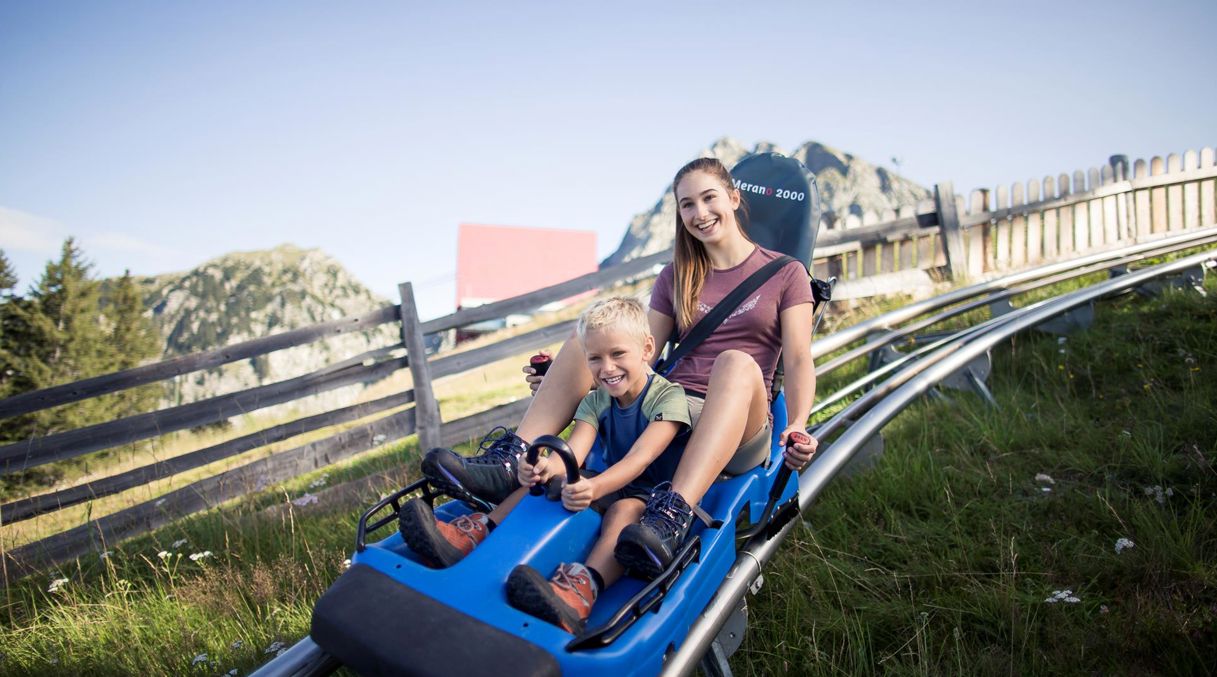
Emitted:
<point x="618" y="428"/>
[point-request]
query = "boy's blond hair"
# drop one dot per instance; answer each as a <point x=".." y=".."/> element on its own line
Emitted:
<point x="621" y="313"/>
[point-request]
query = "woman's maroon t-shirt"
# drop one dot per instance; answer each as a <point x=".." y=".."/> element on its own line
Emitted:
<point x="754" y="327"/>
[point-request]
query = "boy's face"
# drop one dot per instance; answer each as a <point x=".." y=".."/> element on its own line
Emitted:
<point x="618" y="361"/>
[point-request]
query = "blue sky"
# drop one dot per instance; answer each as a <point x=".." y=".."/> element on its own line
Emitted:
<point x="160" y="134"/>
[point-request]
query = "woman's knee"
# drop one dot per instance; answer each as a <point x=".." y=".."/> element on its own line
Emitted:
<point x="735" y="363"/>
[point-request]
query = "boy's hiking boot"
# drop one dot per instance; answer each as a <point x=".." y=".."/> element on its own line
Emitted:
<point x="489" y="476"/>
<point x="647" y="548"/>
<point x="441" y="544"/>
<point x="565" y="599"/>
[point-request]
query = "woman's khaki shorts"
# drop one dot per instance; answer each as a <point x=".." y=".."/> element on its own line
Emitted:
<point x="750" y="454"/>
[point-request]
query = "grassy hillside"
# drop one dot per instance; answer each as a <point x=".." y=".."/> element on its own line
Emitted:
<point x="990" y="540"/>
<point x="941" y="559"/>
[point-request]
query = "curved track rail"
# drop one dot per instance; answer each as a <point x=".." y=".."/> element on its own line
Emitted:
<point x="911" y="377"/>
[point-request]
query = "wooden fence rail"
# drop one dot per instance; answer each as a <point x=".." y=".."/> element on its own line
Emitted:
<point x="993" y="231"/>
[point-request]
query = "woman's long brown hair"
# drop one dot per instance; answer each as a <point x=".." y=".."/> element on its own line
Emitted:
<point x="692" y="263"/>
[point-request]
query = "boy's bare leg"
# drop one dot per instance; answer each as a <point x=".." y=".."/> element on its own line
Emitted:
<point x="500" y="511"/>
<point x="736" y="407"/>
<point x="564" y="385"/>
<point x="621" y="514"/>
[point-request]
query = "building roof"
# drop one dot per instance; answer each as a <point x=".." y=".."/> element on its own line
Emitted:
<point x="498" y="262"/>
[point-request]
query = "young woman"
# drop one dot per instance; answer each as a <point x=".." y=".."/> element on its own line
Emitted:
<point x="727" y="377"/>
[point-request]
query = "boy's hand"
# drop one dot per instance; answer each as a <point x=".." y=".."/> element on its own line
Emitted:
<point x="800" y="449"/>
<point x="578" y="496"/>
<point x="530" y="475"/>
<point x="531" y="375"/>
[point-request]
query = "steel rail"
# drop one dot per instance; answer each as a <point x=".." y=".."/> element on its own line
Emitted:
<point x="895" y="335"/>
<point x="1004" y="293"/>
<point x="828" y="463"/>
<point x="837" y="340"/>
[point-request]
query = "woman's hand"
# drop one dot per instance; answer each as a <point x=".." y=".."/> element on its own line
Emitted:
<point x="798" y="454"/>
<point x="531" y="375"/>
<point x="578" y="496"/>
<point x="532" y="475"/>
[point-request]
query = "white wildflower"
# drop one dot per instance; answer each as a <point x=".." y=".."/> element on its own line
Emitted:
<point x="275" y="648"/>
<point x="179" y="543"/>
<point x="319" y="482"/>
<point x="1103" y="609"/>
<point x="106" y="554"/>
<point x="201" y="658"/>
<point x="1062" y="596"/>
<point x="163" y="554"/>
<point x="346" y="564"/>
<point x="1046" y="479"/>
<point x="1158" y="493"/>
<point x="1046" y="490"/>
<point x="200" y="556"/>
<point x="379" y="439"/>
<point x="307" y="499"/>
<point x="1124" y="544"/>
<point x="57" y="584"/>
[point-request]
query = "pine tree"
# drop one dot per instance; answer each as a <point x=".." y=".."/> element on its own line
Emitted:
<point x="134" y="340"/>
<point x="8" y="276"/>
<point x="73" y="344"/>
<point x="22" y="368"/>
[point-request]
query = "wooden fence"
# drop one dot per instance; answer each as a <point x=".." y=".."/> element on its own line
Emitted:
<point x="995" y="231"/>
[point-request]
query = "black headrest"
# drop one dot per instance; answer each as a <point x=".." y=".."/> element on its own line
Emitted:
<point x="783" y="203"/>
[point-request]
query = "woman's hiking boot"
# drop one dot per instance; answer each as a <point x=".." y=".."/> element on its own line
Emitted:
<point x="441" y="544"/>
<point x="565" y="599"/>
<point x="489" y="476"/>
<point x="647" y="548"/>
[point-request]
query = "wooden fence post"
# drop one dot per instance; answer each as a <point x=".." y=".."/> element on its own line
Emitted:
<point x="952" y="234"/>
<point x="426" y="409"/>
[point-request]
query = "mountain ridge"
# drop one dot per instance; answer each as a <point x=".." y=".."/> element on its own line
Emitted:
<point x="848" y="185"/>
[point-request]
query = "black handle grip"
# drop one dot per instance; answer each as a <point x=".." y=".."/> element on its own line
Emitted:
<point x="540" y="363"/>
<point x="555" y="445"/>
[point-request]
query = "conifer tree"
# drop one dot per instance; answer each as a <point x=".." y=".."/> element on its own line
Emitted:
<point x="134" y="340"/>
<point x="23" y="329"/>
<point x="72" y="343"/>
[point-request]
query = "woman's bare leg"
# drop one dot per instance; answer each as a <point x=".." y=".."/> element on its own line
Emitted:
<point x="564" y="385"/>
<point x="736" y="407"/>
<point x="621" y="514"/>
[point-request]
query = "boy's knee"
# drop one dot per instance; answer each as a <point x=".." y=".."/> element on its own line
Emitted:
<point x="623" y="510"/>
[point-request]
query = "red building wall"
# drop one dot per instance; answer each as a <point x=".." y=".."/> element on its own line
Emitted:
<point x="498" y="262"/>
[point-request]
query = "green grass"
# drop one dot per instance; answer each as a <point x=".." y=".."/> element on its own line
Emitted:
<point x="937" y="561"/>
<point x="940" y="559"/>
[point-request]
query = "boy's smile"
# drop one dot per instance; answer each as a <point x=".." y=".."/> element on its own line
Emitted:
<point x="618" y="361"/>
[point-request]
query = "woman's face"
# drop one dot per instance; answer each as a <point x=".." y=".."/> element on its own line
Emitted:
<point x="707" y="207"/>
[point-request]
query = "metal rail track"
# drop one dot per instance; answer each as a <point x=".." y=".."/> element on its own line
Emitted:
<point x="911" y="378"/>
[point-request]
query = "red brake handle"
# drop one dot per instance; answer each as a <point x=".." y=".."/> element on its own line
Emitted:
<point x="540" y="364"/>
<point x="797" y="437"/>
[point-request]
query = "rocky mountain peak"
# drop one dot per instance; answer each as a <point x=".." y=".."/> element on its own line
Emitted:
<point x="245" y="295"/>
<point x="848" y="185"/>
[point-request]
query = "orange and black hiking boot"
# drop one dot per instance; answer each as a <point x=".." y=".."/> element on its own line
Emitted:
<point x="441" y="544"/>
<point x="565" y="599"/>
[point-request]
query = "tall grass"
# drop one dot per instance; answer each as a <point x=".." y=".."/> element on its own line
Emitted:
<point x="954" y="554"/>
